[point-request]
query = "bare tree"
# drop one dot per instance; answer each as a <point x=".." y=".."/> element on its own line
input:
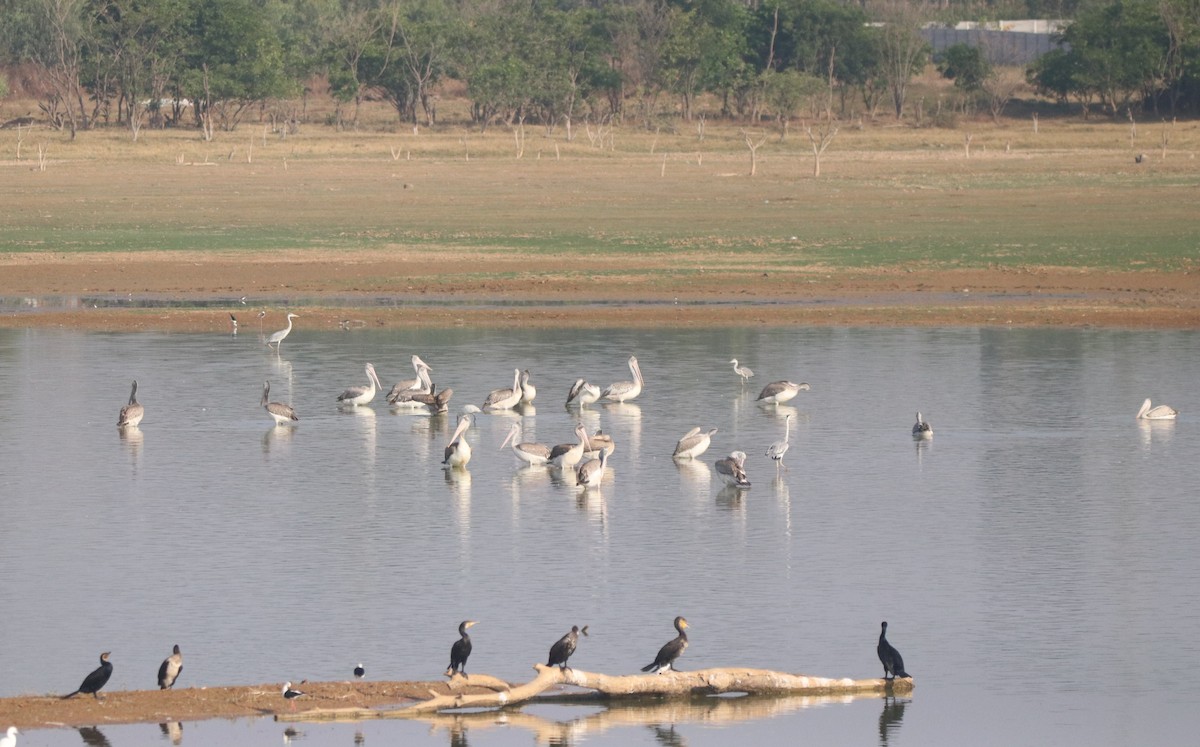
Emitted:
<point x="1000" y="85"/>
<point x="62" y="59"/>
<point x="902" y="47"/>
<point x="753" y="145"/>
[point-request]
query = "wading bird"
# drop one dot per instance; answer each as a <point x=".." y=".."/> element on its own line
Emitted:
<point x="290" y="694"/>
<point x="742" y="371"/>
<point x="731" y="470"/>
<point x="277" y="337"/>
<point x="623" y="391"/>
<point x="132" y="413"/>
<point x="361" y="395"/>
<point x="279" y="412"/>
<point x="505" y="399"/>
<point x="921" y="429"/>
<point x="567" y="456"/>
<point x="528" y="391"/>
<point x="458" y="451"/>
<point x="779" y="448"/>
<point x="582" y="393"/>
<point x="591" y="473"/>
<point x="694" y="443"/>
<point x="778" y="392"/>
<point x="420" y="383"/>
<point x="530" y="453"/>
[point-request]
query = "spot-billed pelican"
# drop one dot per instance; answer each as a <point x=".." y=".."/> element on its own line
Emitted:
<point x="531" y="453"/>
<point x="671" y="650"/>
<point x="778" y="392"/>
<point x="591" y="473"/>
<point x="169" y="670"/>
<point x="407" y="396"/>
<point x="458" y="451"/>
<point x="732" y="471"/>
<point x="421" y="382"/>
<point x="599" y="441"/>
<point x="582" y="393"/>
<point x="461" y="650"/>
<point x="1161" y="412"/>
<point x="623" y="391"/>
<point x="568" y="455"/>
<point x="436" y="402"/>
<point x="277" y="337"/>
<point x="281" y="413"/>
<point x="779" y="448"/>
<point x="921" y="429"/>
<point x="132" y="413"/>
<point x="505" y="399"/>
<point x="893" y="664"/>
<point x="694" y="443"/>
<point x="742" y="371"/>
<point x="528" y="391"/>
<point x="361" y="395"/>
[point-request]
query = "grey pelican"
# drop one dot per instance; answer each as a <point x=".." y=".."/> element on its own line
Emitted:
<point x="568" y="455"/>
<point x="361" y="395"/>
<point x="277" y="337"/>
<point x="169" y="670"/>
<point x="591" y="473"/>
<point x="458" y="451"/>
<point x="461" y="650"/>
<point x="421" y="382"/>
<point x="694" y="443"/>
<point x="778" y="392"/>
<point x="921" y="429"/>
<point x="401" y="397"/>
<point x="436" y="402"/>
<point x="532" y="453"/>
<point x="281" y="413"/>
<point x="582" y="393"/>
<point x="96" y="679"/>
<point x="132" y="413"/>
<point x="528" y="391"/>
<point x="598" y="441"/>
<point x="732" y="471"/>
<point x="564" y="647"/>
<point x="505" y="399"/>
<point x="359" y="671"/>
<point x="779" y="448"/>
<point x="10" y="738"/>
<point x="290" y="694"/>
<point x="893" y="664"/>
<point x="1161" y="412"/>
<point x="623" y="391"/>
<point x="742" y="371"/>
<point x="671" y="650"/>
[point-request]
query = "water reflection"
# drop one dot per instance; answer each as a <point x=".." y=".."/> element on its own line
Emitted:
<point x="93" y="737"/>
<point x="291" y="734"/>
<point x="890" y="717"/>
<point x="277" y="437"/>
<point x="667" y="736"/>
<point x="1156" y="432"/>
<point x="695" y="474"/>
<point x="172" y="730"/>
<point x="131" y="440"/>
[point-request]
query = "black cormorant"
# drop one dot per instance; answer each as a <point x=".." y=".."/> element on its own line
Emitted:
<point x="359" y="671"/>
<point x="564" y="647"/>
<point x="460" y="650"/>
<point x="671" y="651"/>
<point x="169" y="670"/>
<point x="97" y="679"/>
<point x="893" y="664"/>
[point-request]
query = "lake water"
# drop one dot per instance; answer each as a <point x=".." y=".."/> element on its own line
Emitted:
<point x="1036" y="560"/>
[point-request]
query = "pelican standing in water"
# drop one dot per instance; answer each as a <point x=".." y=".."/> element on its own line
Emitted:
<point x="623" y="391"/>
<point x="921" y="429"/>
<point x="277" y="337"/>
<point x="779" y="448"/>
<point x="591" y="473"/>
<point x="458" y="451"/>
<point x="361" y="395"/>
<point x="582" y="393"/>
<point x="1161" y="412"/>
<point x="531" y="453"/>
<point x="732" y="470"/>
<point x="436" y="402"/>
<point x="528" y="391"/>
<point x="566" y="456"/>
<point x="409" y="397"/>
<point x="281" y="413"/>
<point x="421" y="382"/>
<point x="671" y="650"/>
<point x="694" y="443"/>
<point x="742" y="371"/>
<point x="778" y="392"/>
<point x="132" y="413"/>
<point x="505" y="399"/>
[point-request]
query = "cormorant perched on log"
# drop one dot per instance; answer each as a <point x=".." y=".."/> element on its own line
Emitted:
<point x="359" y="671"/>
<point x="460" y="650"/>
<point x="169" y="670"/>
<point x="96" y="680"/>
<point x="893" y="664"/>
<point x="564" y="647"/>
<point x="671" y="651"/>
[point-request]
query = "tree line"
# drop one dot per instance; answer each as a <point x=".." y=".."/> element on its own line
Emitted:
<point x="548" y="61"/>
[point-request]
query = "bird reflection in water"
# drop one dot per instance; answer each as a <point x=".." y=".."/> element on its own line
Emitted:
<point x="276" y="435"/>
<point x="889" y="718"/>
<point x="290" y="734"/>
<point x="458" y="736"/>
<point x="93" y="737"/>
<point x="131" y="439"/>
<point x="731" y="497"/>
<point x="359" y="739"/>
<point x="172" y="730"/>
<point x="667" y="736"/>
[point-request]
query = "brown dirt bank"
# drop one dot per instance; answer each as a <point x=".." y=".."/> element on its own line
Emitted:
<point x="380" y="288"/>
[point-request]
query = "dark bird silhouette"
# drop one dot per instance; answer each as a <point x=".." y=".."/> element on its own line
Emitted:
<point x="169" y="670"/>
<point x="564" y="648"/>
<point x="359" y="671"/>
<point x="96" y="679"/>
<point x="461" y="650"/>
<point x="892" y="662"/>
<point x="670" y="651"/>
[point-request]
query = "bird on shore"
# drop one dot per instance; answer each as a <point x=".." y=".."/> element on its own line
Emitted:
<point x="359" y="672"/>
<point x="564" y="648"/>
<point x="290" y="694"/>
<point x="742" y="371"/>
<point x="233" y="323"/>
<point x="461" y="650"/>
<point x="671" y="650"/>
<point x="623" y="391"/>
<point x="282" y="414"/>
<point x="778" y="392"/>
<point x="1161" y="412"/>
<point x="458" y="451"/>
<point x="277" y="337"/>
<point x="893" y="664"/>
<point x="170" y="669"/>
<point x="96" y="679"/>
<point x="566" y="456"/>
<point x="132" y="413"/>
<point x="779" y="448"/>
<point x="582" y="393"/>
<point x="922" y="429"/>
<point x="694" y="443"/>
<point x="361" y="395"/>
<point x="731" y="470"/>
<point x="10" y="739"/>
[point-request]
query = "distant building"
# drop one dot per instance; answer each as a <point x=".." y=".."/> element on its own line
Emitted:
<point x="1004" y="42"/>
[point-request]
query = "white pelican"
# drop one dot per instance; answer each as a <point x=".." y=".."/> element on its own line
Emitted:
<point x="921" y="429"/>
<point x="583" y="393"/>
<point x="531" y="453"/>
<point x="420" y="382"/>
<point x="132" y="413"/>
<point x="732" y="471"/>
<point x="169" y="670"/>
<point x="1161" y="412"/>
<point x="623" y="391"/>
<point x="277" y="337"/>
<point x="591" y="473"/>
<point x="568" y="455"/>
<point x="402" y="397"/>
<point x="528" y="391"/>
<point x="742" y="371"/>
<point x="458" y="451"/>
<point x="598" y="441"/>
<point x="778" y="392"/>
<point x="779" y="448"/>
<point x="361" y="395"/>
<point x="694" y="443"/>
<point x="10" y="738"/>
<point x="281" y="413"/>
<point x="505" y="399"/>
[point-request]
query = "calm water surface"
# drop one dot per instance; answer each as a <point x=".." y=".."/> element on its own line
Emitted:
<point x="1036" y="560"/>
